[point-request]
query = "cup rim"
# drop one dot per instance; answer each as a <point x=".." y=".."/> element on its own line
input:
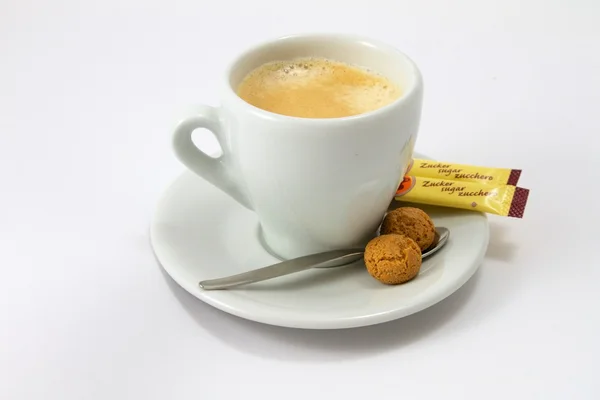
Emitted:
<point x="413" y="90"/>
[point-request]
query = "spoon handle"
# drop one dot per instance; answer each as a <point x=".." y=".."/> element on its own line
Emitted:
<point x="328" y="259"/>
<point x="334" y="258"/>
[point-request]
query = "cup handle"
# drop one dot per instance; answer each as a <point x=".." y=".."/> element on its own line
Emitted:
<point x="214" y="170"/>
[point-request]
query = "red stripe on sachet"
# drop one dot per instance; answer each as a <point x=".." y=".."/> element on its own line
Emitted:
<point x="514" y="176"/>
<point x="519" y="201"/>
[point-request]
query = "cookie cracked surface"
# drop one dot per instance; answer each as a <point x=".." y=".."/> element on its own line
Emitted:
<point x="411" y="222"/>
<point x="393" y="259"/>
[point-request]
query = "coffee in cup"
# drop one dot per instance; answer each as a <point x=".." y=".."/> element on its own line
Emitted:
<point x="317" y="88"/>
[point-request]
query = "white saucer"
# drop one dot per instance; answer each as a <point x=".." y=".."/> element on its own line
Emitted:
<point x="199" y="233"/>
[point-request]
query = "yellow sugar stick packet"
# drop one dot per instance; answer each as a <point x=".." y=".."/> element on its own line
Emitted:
<point x="506" y="200"/>
<point x="462" y="172"/>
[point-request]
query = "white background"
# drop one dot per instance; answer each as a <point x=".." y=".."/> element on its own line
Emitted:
<point x="89" y="94"/>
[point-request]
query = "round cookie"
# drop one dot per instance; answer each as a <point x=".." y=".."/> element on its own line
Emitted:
<point x="393" y="259"/>
<point x="412" y="222"/>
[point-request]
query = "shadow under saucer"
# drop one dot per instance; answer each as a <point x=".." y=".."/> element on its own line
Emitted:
<point x="324" y="345"/>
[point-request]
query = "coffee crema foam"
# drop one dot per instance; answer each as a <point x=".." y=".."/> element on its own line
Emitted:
<point x="316" y="88"/>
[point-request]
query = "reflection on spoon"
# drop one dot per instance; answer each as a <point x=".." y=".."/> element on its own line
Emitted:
<point x="328" y="259"/>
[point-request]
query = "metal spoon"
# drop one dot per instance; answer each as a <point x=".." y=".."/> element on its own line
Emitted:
<point x="328" y="259"/>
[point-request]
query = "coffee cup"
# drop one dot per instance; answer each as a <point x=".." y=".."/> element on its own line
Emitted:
<point x="315" y="184"/>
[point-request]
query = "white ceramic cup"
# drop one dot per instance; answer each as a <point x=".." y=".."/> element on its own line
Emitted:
<point x="315" y="184"/>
